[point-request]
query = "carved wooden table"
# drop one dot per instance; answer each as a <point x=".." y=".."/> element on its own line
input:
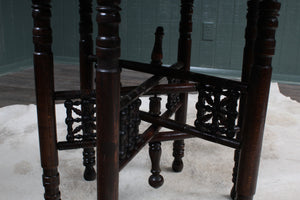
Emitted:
<point x="108" y="116"/>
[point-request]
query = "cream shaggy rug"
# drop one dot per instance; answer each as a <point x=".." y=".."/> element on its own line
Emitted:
<point x="206" y="175"/>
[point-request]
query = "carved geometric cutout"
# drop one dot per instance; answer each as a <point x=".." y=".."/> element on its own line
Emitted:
<point x="173" y="98"/>
<point x="80" y="117"/>
<point x="81" y="123"/>
<point x="129" y="129"/>
<point x="217" y="110"/>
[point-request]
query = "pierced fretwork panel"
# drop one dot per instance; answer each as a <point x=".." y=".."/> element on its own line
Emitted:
<point x="173" y="99"/>
<point x="80" y="117"/>
<point x="129" y="129"/>
<point x="217" y="110"/>
<point x="81" y="123"/>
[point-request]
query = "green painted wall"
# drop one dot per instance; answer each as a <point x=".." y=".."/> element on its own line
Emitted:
<point x="218" y="33"/>
<point x="15" y="35"/>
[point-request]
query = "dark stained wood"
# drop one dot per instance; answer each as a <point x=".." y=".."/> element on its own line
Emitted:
<point x="178" y="153"/>
<point x="86" y="81"/>
<point x="184" y="55"/>
<point x="248" y="60"/>
<point x="257" y="100"/>
<point x="165" y="88"/>
<point x="75" y="145"/>
<point x="139" y="91"/>
<point x="118" y="144"/>
<point x="154" y="80"/>
<point x="155" y="180"/>
<point x="147" y="136"/>
<point x="171" y="135"/>
<point x="183" y="75"/>
<point x="217" y="110"/>
<point x="124" y="121"/>
<point x="159" y="89"/>
<point x="250" y="37"/>
<point x="154" y="105"/>
<point x="86" y="45"/>
<point x="108" y="98"/>
<point x="44" y="82"/>
<point x="157" y="54"/>
<point x="175" y="125"/>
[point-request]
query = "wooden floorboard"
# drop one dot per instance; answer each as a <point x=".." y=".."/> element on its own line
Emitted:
<point x="289" y="90"/>
<point x="18" y="88"/>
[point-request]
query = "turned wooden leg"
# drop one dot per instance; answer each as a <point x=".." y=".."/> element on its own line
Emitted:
<point x="87" y="129"/>
<point x="89" y="162"/>
<point x="257" y="100"/>
<point x="108" y="99"/>
<point x="248" y="60"/>
<point x="43" y="68"/>
<point x="184" y="55"/>
<point x="234" y="173"/>
<point x="155" y="180"/>
<point x="178" y="153"/>
<point x="86" y="83"/>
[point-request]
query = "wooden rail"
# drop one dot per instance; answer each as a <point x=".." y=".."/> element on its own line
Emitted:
<point x="172" y="124"/>
<point x="183" y="75"/>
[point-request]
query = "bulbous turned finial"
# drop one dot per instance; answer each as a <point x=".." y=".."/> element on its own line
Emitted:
<point x="89" y="174"/>
<point x="157" y="55"/>
<point x="155" y="180"/>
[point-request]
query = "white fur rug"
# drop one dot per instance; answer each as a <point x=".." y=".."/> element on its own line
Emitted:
<point x="206" y="175"/>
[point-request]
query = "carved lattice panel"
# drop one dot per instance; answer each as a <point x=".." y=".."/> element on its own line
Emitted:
<point x="129" y="128"/>
<point x="80" y="117"/>
<point x="81" y="123"/>
<point x="173" y="98"/>
<point x="217" y="110"/>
